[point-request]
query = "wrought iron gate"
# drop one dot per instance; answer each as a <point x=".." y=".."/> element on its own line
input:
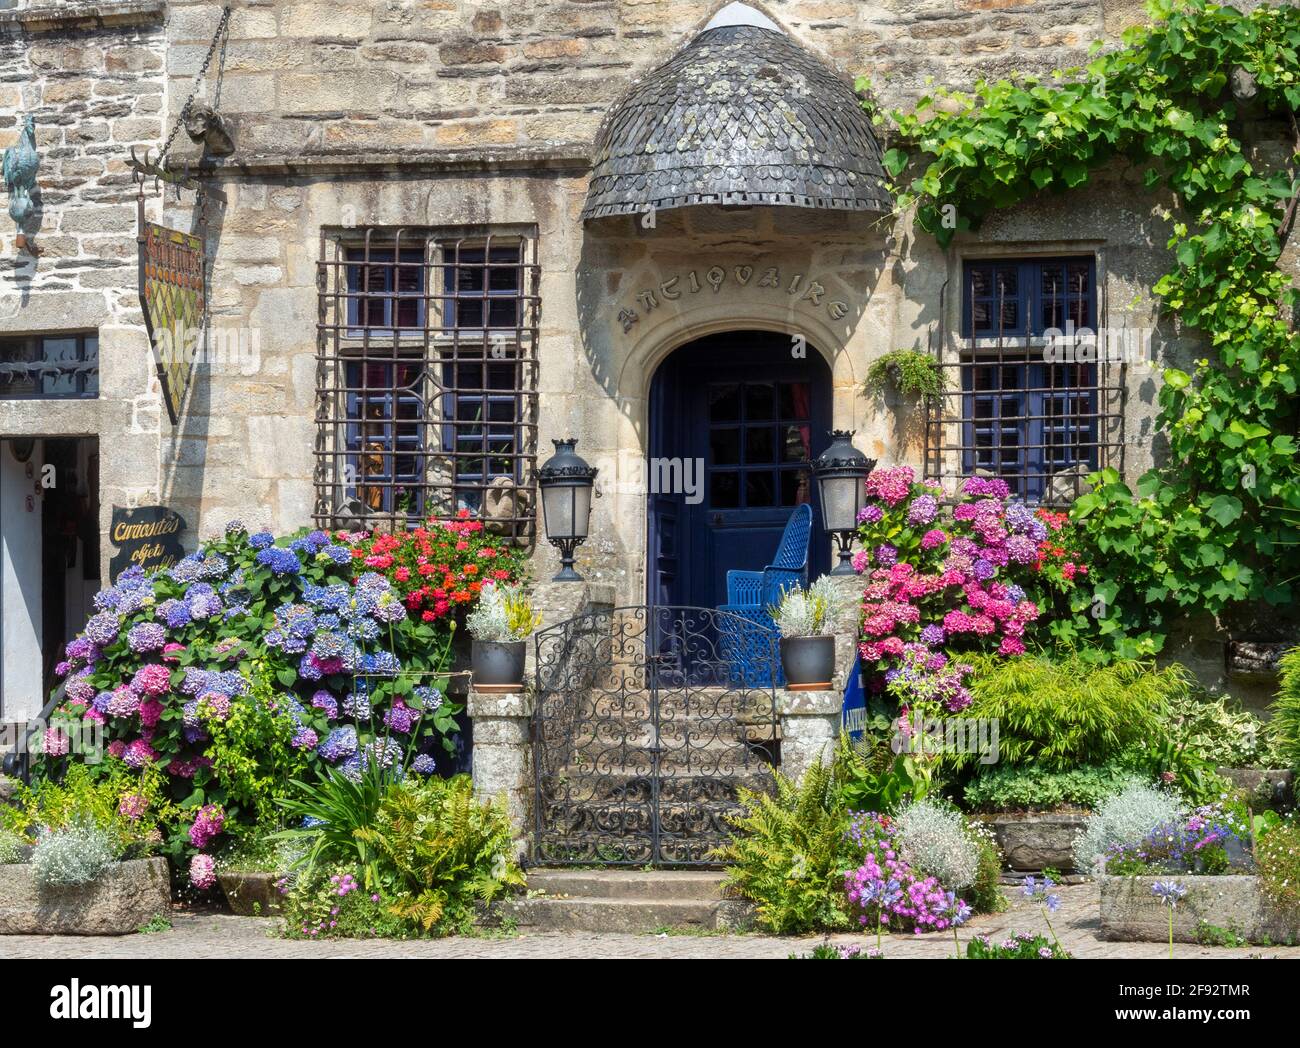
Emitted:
<point x="649" y="720"/>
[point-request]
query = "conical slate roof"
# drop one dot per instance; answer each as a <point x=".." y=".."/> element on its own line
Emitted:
<point x="743" y="115"/>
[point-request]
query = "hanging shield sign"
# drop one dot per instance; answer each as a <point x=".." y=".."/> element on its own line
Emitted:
<point x="171" y="294"/>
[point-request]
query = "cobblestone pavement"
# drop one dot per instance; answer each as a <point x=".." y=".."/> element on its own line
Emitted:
<point x="219" y="936"/>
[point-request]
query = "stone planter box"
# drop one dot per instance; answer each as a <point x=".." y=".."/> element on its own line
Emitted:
<point x="1130" y="913"/>
<point x="126" y="895"/>
<point x="251" y="893"/>
<point x="1034" y="842"/>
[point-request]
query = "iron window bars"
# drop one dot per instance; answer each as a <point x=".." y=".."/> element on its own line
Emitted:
<point x="1041" y="417"/>
<point x="49" y="366"/>
<point x="427" y="377"/>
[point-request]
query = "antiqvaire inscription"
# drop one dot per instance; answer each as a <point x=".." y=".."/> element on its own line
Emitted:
<point x="148" y="536"/>
<point x="797" y="286"/>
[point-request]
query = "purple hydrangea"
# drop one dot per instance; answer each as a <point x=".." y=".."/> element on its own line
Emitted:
<point x="103" y="628"/>
<point x="983" y="569"/>
<point x="424" y="765"/>
<point x="304" y="739"/>
<point x="146" y="636"/>
<point x="323" y="700"/>
<point x="870" y="515"/>
<point x="886" y="556"/>
<point x="400" y="717"/>
<point x="932" y="636"/>
<point x="923" y="510"/>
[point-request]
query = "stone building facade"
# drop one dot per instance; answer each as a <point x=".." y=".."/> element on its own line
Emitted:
<point x="465" y="124"/>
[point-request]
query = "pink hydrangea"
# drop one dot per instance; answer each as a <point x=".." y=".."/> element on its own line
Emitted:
<point x="139" y="753"/>
<point x="207" y="825"/>
<point x="891" y="485"/>
<point x="133" y="806"/>
<point x="55" y="743"/>
<point x="203" y="872"/>
<point x="933" y="539"/>
<point x="152" y="679"/>
<point x="151" y="711"/>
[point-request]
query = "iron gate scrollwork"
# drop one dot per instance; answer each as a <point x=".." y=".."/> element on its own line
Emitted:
<point x="649" y="720"/>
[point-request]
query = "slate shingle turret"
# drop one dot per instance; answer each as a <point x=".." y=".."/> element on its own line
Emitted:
<point x="743" y="115"/>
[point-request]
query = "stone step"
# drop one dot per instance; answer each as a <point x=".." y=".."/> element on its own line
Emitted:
<point x="645" y="885"/>
<point x="543" y="914"/>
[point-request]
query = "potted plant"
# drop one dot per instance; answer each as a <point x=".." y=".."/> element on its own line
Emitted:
<point x="804" y="618"/>
<point x="500" y="626"/>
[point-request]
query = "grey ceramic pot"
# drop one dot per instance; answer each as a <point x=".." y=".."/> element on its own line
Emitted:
<point x="808" y="661"/>
<point x="498" y="664"/>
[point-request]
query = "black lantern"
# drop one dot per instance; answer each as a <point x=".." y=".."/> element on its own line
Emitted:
<point x="566" y="482"/>
<point x="841" y="472"/>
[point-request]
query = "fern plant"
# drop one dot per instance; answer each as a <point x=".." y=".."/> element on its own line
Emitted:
<point x="789" y="854"/>
<point x="1285" y="724"/>
<point x="445" y="849"/>
<point x="909" y="371"/>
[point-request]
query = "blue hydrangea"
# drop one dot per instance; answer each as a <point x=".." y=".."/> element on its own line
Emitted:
<point x="364" y="630"/>
<point x="328" y="646"/>
<point x="280" y="561"/>
<point x="340" y="555"/>
<point x="262" y="540"/>
<point x="107" y="599"/>
<point x="424" y="765"/>
<point x="214" y="566"/>
<point x="187" y="569"/>
<point x="1015" y="594"/>
<point x="357" y="706"/>
<point x="334" y="597"/>
<point x="430" y="698"/>
<point x="339" y="743"/>
<point x="174" y="613"/>
<point x="381" y="664"/>
<point x="235" y="527"/>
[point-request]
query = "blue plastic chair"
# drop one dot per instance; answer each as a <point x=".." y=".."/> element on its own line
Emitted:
<point x="751" y="593"/>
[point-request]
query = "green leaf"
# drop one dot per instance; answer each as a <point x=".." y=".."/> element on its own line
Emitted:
<point x="1225" y="509"/>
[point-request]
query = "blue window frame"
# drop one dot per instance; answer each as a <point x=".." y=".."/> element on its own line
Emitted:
<point x="1028" y="297"/>
<point x="1026" y="420"/>
<point x="384" y="436"/>
<point x="1025" y="417"/>
<point x="482" y="286"/>
<point x="386" y="291"/>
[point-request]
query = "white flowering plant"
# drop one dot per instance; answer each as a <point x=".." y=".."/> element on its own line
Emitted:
<point x="503" y="615"/>
<point x="807" y="612"/>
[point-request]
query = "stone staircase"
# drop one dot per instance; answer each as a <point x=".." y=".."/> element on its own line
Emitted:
<point x="629" y="901"/>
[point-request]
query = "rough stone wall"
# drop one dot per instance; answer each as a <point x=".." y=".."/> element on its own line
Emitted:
<point x="92" y="76"/>
<point x="327" y="77"/>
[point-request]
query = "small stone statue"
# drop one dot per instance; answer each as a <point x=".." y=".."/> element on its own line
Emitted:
<point x="204" y="124"/>
<point x="19" y="168"/>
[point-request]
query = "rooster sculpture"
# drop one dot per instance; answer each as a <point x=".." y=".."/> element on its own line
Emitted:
<point x="19" y="169"/>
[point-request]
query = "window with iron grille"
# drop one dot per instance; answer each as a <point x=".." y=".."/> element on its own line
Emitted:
<point x="427" y="377"/>
<point x="1019" y="401"/>
<point x="49" y="366"/>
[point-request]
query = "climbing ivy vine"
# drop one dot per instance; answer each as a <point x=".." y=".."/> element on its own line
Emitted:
<point x="1219" y="523"/>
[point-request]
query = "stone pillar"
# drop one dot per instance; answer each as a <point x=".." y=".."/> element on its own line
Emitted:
<point x="502" y="762"/>
<point x="810" y="726"/>
<point x="810" y="720"/>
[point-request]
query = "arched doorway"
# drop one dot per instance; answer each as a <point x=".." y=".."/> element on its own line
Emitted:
<point x="735" y="420"/>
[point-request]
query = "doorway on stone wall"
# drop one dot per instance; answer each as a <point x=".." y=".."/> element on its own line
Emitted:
<point x="49" y="560"/>
<point x="735" y="420"/>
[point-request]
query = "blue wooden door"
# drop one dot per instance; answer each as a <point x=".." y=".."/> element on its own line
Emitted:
<point x="748" y="417"/>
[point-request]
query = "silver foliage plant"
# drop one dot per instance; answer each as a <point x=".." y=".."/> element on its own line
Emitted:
<point x="808" y="612"/>
<point x="71" y="855"/>
<point x="1125" y="818"/>
<point x="10" y="847"/>
<point x="934" y="841"/>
